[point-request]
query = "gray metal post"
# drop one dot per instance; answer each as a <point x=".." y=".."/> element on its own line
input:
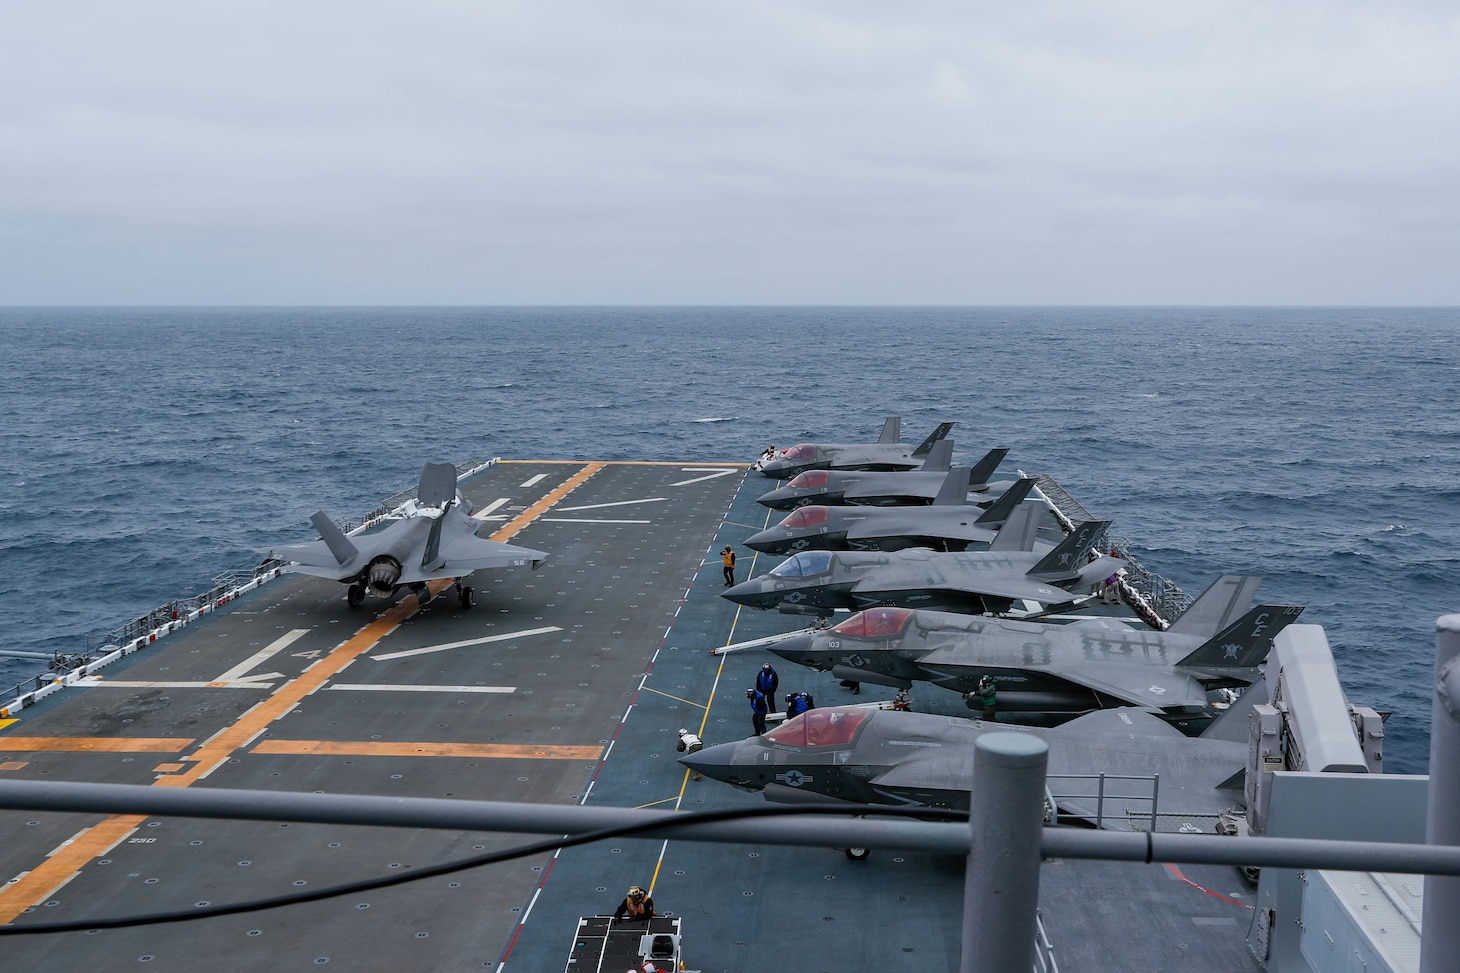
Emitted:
<point x="1001" y="890"/>
<point x="1440" y="940"/>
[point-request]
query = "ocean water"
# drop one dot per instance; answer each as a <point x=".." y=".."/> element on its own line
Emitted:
<point x="144" y="451"/>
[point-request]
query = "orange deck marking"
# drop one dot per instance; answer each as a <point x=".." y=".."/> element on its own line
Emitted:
<point x="64" y="862"/>
<point x="96" y="744"/>
<point x="14" y="764"/>
<point x="376" y="748"/>
<point x="35" y="885"/>
<point x="167" y="768"/>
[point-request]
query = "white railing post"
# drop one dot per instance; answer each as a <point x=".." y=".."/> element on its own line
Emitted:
<point x="1440" y="940"/>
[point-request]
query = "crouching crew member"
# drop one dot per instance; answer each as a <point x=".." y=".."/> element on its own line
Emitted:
<point x="759" y="707"/>
<point x="636" y="905"/>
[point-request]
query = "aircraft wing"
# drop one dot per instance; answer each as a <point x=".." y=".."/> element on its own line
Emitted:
<point x="1012" y="586"/>
<point x="319" y="559"/>
<point x="1136" y="684"/>
<point x="458" y="551"/>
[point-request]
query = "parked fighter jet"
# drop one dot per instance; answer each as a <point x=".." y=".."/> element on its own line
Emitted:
<point x="888" y="453"/>
<point x="435" y="540"/>
<point x="819" y="582"/>
<point x="881" y="756"/>
<point x="1059" y="669"/>
<point x="950" y="523"/>
<point x="909" y="488"/>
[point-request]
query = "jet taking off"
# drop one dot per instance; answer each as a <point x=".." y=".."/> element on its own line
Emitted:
<point x="888" y="453"/>
<point x="949" y="524"/>
<point x="436" y="539"/>
<point x="1060" y="669"/>
<point x="909" y="488"/>
<point x="819" y="582"/>
<point x="877" y="756"/>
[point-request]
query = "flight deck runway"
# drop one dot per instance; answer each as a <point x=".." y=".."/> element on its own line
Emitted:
<point x="562" y="686"/>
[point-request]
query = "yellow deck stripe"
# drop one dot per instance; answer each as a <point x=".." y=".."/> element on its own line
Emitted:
<point x="95" y="744"/>
<point x="375" y="748"/>
<point x="35" y="885"/>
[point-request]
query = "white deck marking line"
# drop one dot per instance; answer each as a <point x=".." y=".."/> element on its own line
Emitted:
<point x="236" y="674"/>
<point x="616" y="503"/>
<point x="701" y="479"/>
<point x="426" y="650"/>
<point x="371" y="688"/>
<point x="535" y="480"/>
<point x="588" y="520"/>
<point x="481" y="512"/>
<point x="252" y="682"/>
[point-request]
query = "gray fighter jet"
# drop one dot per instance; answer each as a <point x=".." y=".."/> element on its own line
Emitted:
<point x="950" y="523"/>
<point x="1046" y="668"/>
<point x="888" y="453"/>
<point x="865" y="755"/>
<point x="436" y="539"/>
<point x="909" y="488"/>
<point x="819" y="582"/>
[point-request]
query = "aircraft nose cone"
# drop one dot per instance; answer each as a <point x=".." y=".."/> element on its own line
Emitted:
<point x="772" y="541"/>
<point x="717" y="762"/>
<point x="796" y="649"/>
<point x="751" y="593"/>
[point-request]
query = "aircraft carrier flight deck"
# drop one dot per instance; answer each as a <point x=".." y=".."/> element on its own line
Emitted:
<point x="565" y="685"/>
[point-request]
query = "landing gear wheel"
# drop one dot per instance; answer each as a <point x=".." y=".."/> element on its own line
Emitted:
<point x="857" y="854"/>
<point x="355" y="596"/>
<point x="468" y="596"/>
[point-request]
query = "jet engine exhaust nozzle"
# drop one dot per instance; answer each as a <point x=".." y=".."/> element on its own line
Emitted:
<point x="384" y="573"/>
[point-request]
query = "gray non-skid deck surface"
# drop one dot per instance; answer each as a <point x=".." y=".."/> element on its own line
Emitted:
<point x="633" y="591"/>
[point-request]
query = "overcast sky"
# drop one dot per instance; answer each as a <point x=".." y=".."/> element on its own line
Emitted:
<point x="713" y="152"/>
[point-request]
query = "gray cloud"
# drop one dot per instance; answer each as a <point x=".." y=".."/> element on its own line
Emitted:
<point x="1117" y="151"/>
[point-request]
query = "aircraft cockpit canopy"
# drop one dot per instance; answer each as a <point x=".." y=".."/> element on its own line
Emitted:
<point x="820" y="728"/>
<point x="805" y="518"/>
<point x="799" y="451"/>
<point x="803" y="565"/>
<point x="875" y="623"/>
<point x="810" y="479"/>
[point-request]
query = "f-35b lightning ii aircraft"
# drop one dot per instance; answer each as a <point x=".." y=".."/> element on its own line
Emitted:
<point x="819" y="582"/>
<point x="888" y="453"/>
<point x="1044" y="668"/>
<point x="908" y="488"/>
<point x="435" y="540"/>
<point x="950" y="523"/>
<point x="880" y="756"/>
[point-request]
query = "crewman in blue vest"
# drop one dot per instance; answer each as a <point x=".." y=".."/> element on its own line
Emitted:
<point x="758" y="709"/>
<point x="767" y="680"/>
<point x="798" y="703"/>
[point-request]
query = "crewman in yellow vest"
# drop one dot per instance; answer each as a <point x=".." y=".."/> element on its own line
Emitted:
<point x="729" y="559"/>
<point x="636" y="905"/>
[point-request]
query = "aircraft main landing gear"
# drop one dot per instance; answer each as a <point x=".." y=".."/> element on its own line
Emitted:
<point x="466" y="594"/>
<point x="355" y="596"/>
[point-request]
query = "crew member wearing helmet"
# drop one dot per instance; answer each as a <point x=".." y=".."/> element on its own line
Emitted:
<point x="728" y="557"/>
<point x="767" y="680"/>
<point x="759" y="707"/>
<point x="636" y="905"/>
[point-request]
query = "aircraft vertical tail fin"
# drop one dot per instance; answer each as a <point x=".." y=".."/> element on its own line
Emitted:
<point x="437" y="486"/>
<point x="1019" y="529"/>
<point x="939" y="458"/>
<point x="940" y="433"/>
<point x="954" y="490"/>
<point x="1246" y="642"/>
<point x="1001" y="509"/>
<point x="1067" y="558"/>
<point x="1222" y="603"/>
<point x="891" y="431"/>
<point x="984" y="468"/>
<point x="334" y="538"/>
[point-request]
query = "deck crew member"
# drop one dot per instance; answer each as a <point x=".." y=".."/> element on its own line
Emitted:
<point x="985" y="697"/>
<point x="759" y="707"/>
<point x="798" y="703"/>
<point x="690" y="743"/>
<point x="767" y="680"/>
<point x="728" y="556"/>
<point x="636" y="905"/>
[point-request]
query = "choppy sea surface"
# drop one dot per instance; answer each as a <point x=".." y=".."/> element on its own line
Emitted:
<point x="145" y="451"/>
